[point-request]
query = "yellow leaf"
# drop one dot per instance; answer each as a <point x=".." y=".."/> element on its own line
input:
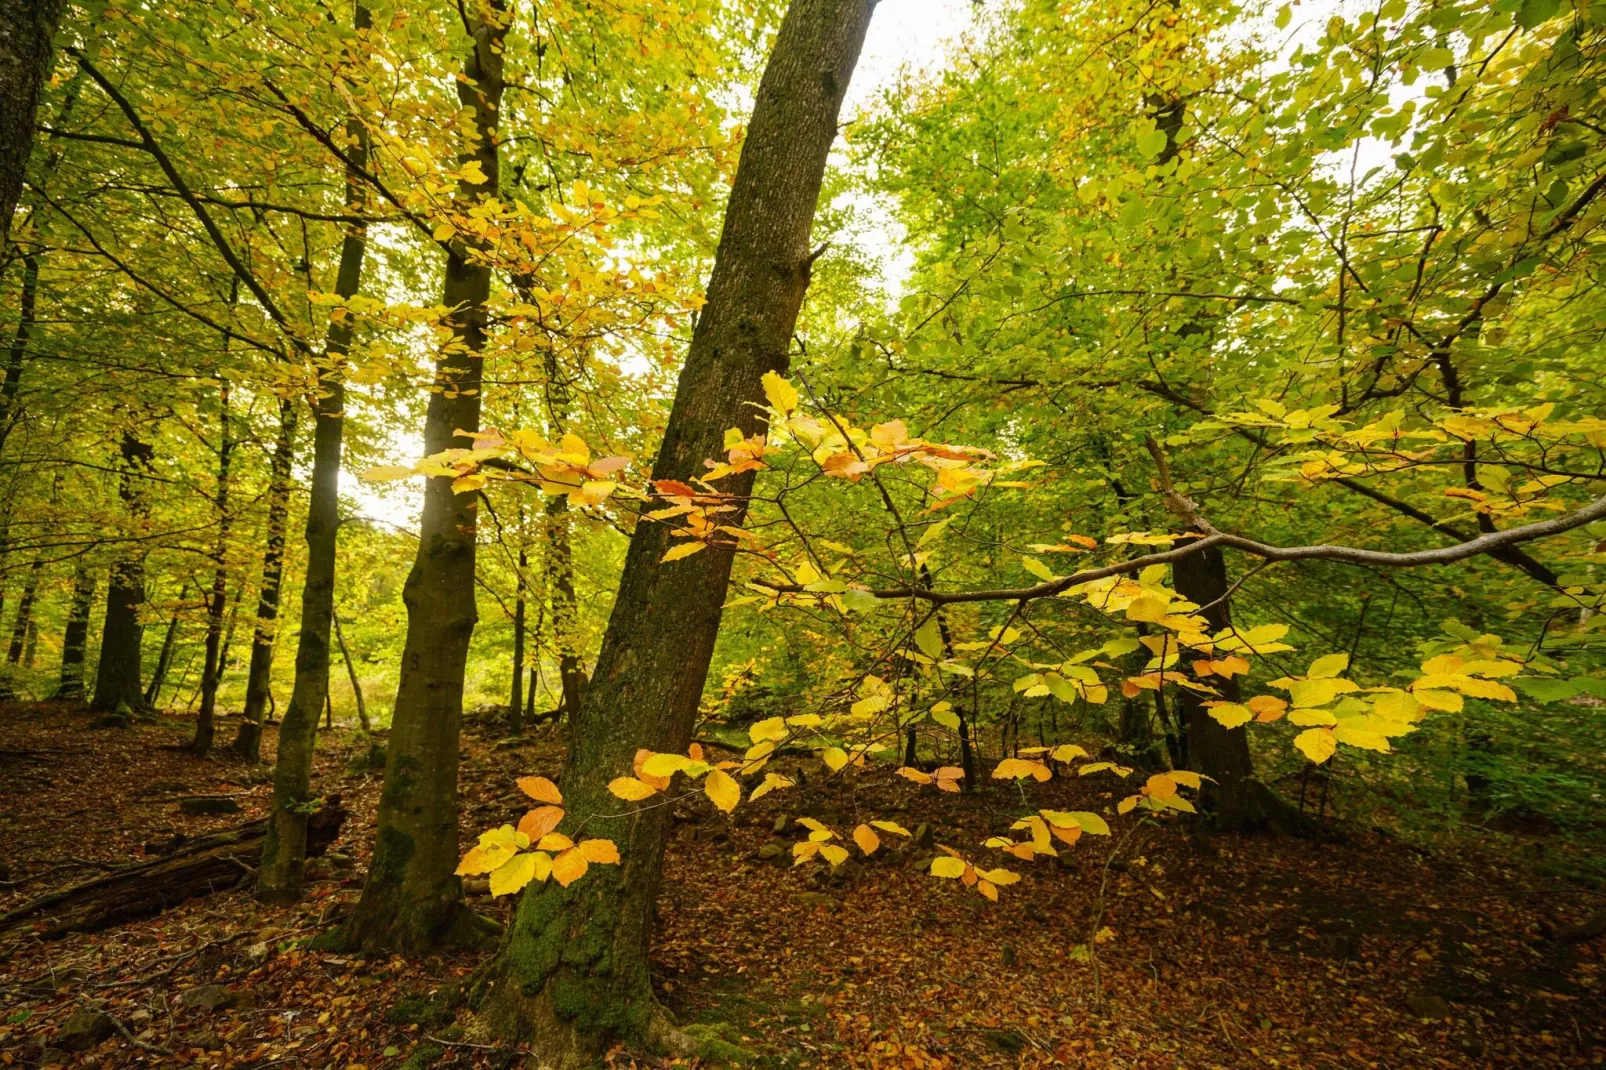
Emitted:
<point x="569" y="867"/>
<point x="1326" y="667"/>
<point x="947" y="866"/>
<point x="867" y="840"/>
<point x="684" y="549"/>
<point x="665" y="765"/>
<point x="833" y="854"/>
<point x="1128" y="804"/>
<point x="1448" y="701"/>
<point x="722" y="790"/>
<point x="1230" y="714"/>
<point x="555" y="841"/>
<point x="540" y="789"/>
<point x="600" y="852"/>
<point x="835" y="758"/>
<point x="513" y="875"/>
<point x="1317" y="744"/>
<point x="631" y="789"/>
<point x="1017" y="768"/>
<point x="1160" y="786"/>
<point x="1267" y="708"/>
<point x="890" y="826"/>
<point x="1091" y="823"/>
<point x="771" y="728"/>
<point x="782" y="395"/>
<point x="771" y="782"/>
<point x="987" y="890"/>
<point x="384" y="472"/>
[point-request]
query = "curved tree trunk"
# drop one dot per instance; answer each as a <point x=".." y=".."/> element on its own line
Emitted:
<point x="351" y="673"/>
<point x="19" y="628"/>
<point x="565" y="609"/>
<point x="76" y="636"/>
<point x="284" y="852"/>
<point x="572" y="973"/>
<point x="117" y="676"/>
<point x="259" y="679"/>
<point x="412" y="898"/>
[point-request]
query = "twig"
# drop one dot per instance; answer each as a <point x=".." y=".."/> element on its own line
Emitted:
<point x="143" y="1045"/>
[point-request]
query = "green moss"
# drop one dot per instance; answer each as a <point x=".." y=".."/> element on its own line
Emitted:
<point x="716" y="1044"/>
<point x="422" y="1056"/>
<point x="422" y="1009"/>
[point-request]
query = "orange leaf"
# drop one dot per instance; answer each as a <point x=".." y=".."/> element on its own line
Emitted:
<point x="540" y="821"/>
<point x="540" y="789"/>
<point x="600" y="852"/>
<point x="569" y="867"/>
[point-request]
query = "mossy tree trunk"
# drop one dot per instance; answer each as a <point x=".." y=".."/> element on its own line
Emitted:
<point x="572" y="972"/>
<point x="259" y="677"/>
<point x="1235" y="801"/>
<point x="118" y="673"/>
<point x="412" y="898"/>
<point x="284" y="851"/>
<point x="19" y="628"/>
<point x="25" y="53"/>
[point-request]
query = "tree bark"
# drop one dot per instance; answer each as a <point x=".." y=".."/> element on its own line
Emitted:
<point x="565" y="608"/>
<point x="76" y="636"/>
<point x="515" y="698"/>
<point x="164" y="662"/>
<point x="351" y="671"/>
<point x="216" y="604"/>
<point x="210" y="863"/>
<point x="572" y="972"/>
<point x="117" y="675"/>
<point x="26" y="30"/>
<point x="1234" y="800"/>
<point x="259" y="681"/>
<point x="19" y="628"/>
<point x="412" y="898"/>
<point x="284" y="852"/>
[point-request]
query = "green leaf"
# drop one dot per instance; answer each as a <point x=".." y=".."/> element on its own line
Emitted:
<point x="928" y="637"/>
<point x="1534" y="12"/>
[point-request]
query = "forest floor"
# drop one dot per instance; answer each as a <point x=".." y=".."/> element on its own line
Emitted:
<point x="1243" y="952"/>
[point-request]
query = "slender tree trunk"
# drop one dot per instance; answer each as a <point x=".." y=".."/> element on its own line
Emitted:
<point x="565" y="607"/>
<point x="1235" y="800"/>
<point x="19" y="629"/>
<point x="259" y="681"/>
<point x="26" y="29"/>
<point x="572" y="973"/>
<point x="216" y="604"/>
<point x="351" y="671"/>
<point x="412" y="898"/>
<point x="71" y="687"/>
<point x="32" y="646"/>
<point x="284" y="851"/>
<point x="515" y="698"/>
<point x="164" y="662"/>
<point x="117" y="675"/>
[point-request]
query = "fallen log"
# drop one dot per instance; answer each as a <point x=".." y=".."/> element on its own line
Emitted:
<point x="206" y="864"/>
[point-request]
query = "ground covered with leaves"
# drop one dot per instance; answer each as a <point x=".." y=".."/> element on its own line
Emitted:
<point x="1151" y="948"/>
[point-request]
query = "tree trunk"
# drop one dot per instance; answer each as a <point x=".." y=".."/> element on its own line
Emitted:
<point x="284" y="852"/>
<point x="572" y="973"/>
<point x="259" y="681"/>
<point x="1235" y="801"/>
<point x="565" y="608"/>
<point x="210" y="863"/>
<point x="26" y="29"/>
<point x="19" y="630"/>
<point x="515" y="698"/>
<point x="412" y="898"/>
<point x="76" y="636"/>
<point x="351" y="671"/>
<point x="216" y="605"/>
<point x="117" y="675"/>
<point x="164" y="662"/>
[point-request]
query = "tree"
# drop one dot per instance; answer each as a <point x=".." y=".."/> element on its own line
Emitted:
<point x="284" y="850"/>
<point x="411" y="899"/>
<point x="117" y="677"/>
<point x="572" y="969"/>
<point x="25" y="52"/>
